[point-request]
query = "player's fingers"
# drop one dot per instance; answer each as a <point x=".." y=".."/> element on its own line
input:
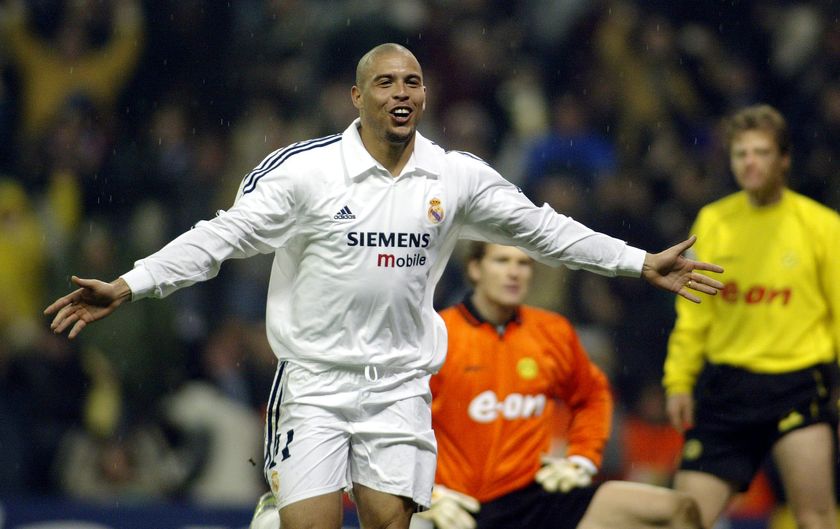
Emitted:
<point x="63" y="301"/>
<point x="703" y="284"/>
<point x="80" y="324"/>
<point x="467" y="502"/>
<point x="710" y="282"/>
<point x="676" y="416"/>
<point x="686" y="293"/>
<point x="700" y="265"/>
<point x="61" y="317"/>
<point x="56" y="305"/>
<point x="458" y="519"/>
<point x="688" y="416"/>
<point x="676" y="420"/>
<point x="65" y="319"/>
<point x="84" y="283"/>
<point x="685" y="245"/>
<point x="549" y="483"/>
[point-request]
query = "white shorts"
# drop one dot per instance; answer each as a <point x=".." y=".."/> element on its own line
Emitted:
<point x="326" y="431"/>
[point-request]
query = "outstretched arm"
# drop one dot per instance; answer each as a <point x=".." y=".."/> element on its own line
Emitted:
<point x="92" y="301"/>
<point x="670" y="270"/>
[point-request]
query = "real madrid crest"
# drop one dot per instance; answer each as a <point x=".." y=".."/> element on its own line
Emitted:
<point x="435" y="212"/>
<point x="274" y="481"/>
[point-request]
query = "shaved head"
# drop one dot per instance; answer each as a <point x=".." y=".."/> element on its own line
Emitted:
<point x="363" y="67"/>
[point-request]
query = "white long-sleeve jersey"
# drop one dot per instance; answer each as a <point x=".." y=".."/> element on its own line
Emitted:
<point x="358" y="252"/>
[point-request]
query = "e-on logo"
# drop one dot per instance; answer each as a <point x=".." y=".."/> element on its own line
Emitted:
<point x="486" y="407"/>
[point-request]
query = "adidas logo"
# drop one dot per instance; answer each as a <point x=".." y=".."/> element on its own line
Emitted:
<point x="344" y="214"/>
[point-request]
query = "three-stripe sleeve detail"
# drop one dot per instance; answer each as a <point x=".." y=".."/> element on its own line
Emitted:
<point x="278" y="157"/>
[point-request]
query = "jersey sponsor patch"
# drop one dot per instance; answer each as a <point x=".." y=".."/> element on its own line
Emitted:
<point x="486" y="406"/>
<point x="733" y="292"/>
<point x="389" y="260"/>
<point x="389" y="239"/>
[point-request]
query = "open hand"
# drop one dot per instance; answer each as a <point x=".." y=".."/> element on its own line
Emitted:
<point x="671" y="270"/>
<point x="92" y="301"/>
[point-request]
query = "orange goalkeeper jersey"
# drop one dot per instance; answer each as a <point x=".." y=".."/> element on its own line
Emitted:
<point x="494" y="395"/>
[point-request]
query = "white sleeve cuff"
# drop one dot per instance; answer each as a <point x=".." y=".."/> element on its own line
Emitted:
<point x="140" y="281"/>
<point x="632" y="262"/>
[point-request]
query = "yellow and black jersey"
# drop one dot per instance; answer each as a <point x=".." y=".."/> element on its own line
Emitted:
<point x="780" y="308"/>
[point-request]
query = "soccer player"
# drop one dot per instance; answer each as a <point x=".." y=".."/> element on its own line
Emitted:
<point x="506" y="365"/>
<point x="754" y="372"/>
<point x="361" y="224"/>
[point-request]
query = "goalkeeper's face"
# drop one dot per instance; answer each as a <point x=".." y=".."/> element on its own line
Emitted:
<point x="502" y="276"/>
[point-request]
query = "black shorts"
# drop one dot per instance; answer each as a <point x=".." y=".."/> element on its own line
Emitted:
<point x="534" y="508"/>
<point x="739" y="416"/>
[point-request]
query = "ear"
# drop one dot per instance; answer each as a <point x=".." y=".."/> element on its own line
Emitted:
<point x="356" y="97"/>
<point x="473" y="271"/>
<point x="424" y="97"/>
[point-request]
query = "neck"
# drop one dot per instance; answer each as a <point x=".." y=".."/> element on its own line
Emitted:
<point x="493" y="312"/>
<point x="392" y="156"/>
<point x="768" y="198"/>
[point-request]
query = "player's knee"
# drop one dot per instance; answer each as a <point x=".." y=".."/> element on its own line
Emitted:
<point x="685" y="514"/>
<point x="815" y="518"/>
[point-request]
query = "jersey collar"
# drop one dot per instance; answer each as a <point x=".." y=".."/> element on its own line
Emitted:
<point x="360" y="164"/>
<point x="472" y="315"/>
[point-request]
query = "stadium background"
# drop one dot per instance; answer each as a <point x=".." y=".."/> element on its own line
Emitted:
<point x="123" y="122"/>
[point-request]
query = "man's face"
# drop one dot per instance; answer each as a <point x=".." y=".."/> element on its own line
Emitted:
<point x="758" y="165"/>
<point x="502" y="276"/>
<point x="391" y="96"/>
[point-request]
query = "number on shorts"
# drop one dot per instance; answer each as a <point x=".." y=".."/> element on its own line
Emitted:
<point x="285" y="452"/>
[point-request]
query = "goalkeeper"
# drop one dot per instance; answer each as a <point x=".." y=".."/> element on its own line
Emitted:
<point x="505" y="366"/>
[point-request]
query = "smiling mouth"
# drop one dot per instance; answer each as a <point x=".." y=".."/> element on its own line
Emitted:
<point x="401" y="114"/>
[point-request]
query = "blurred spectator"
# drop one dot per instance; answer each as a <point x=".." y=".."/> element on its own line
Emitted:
<point x="8" y="115"/>
<point x="822" y="160"/>
<point x="233" y="433"/>
<point x="467" y="126"/>
<point x="571" y="148"/>
<point x="14" y="471"/>
<point x="69" y="64"/>
<point x="133" y="466"/>
<point x="638" y="333"/>
<point x="522" y="96"/>
<point x="47" y="385"/>
<point x="224" y="363"/>
<point x="641" y="62"/>
<point x="651" y="447"/>
<point x="23" y="262"/>
<point x="140" y="344"/>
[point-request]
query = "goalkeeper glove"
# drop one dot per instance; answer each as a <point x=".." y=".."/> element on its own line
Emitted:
<point x="451" y="509"/>
<point x="565" y="473"/>
<point x="266" y="515"/>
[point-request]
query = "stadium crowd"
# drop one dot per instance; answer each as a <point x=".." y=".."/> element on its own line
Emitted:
<point x="124" y="122"/>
